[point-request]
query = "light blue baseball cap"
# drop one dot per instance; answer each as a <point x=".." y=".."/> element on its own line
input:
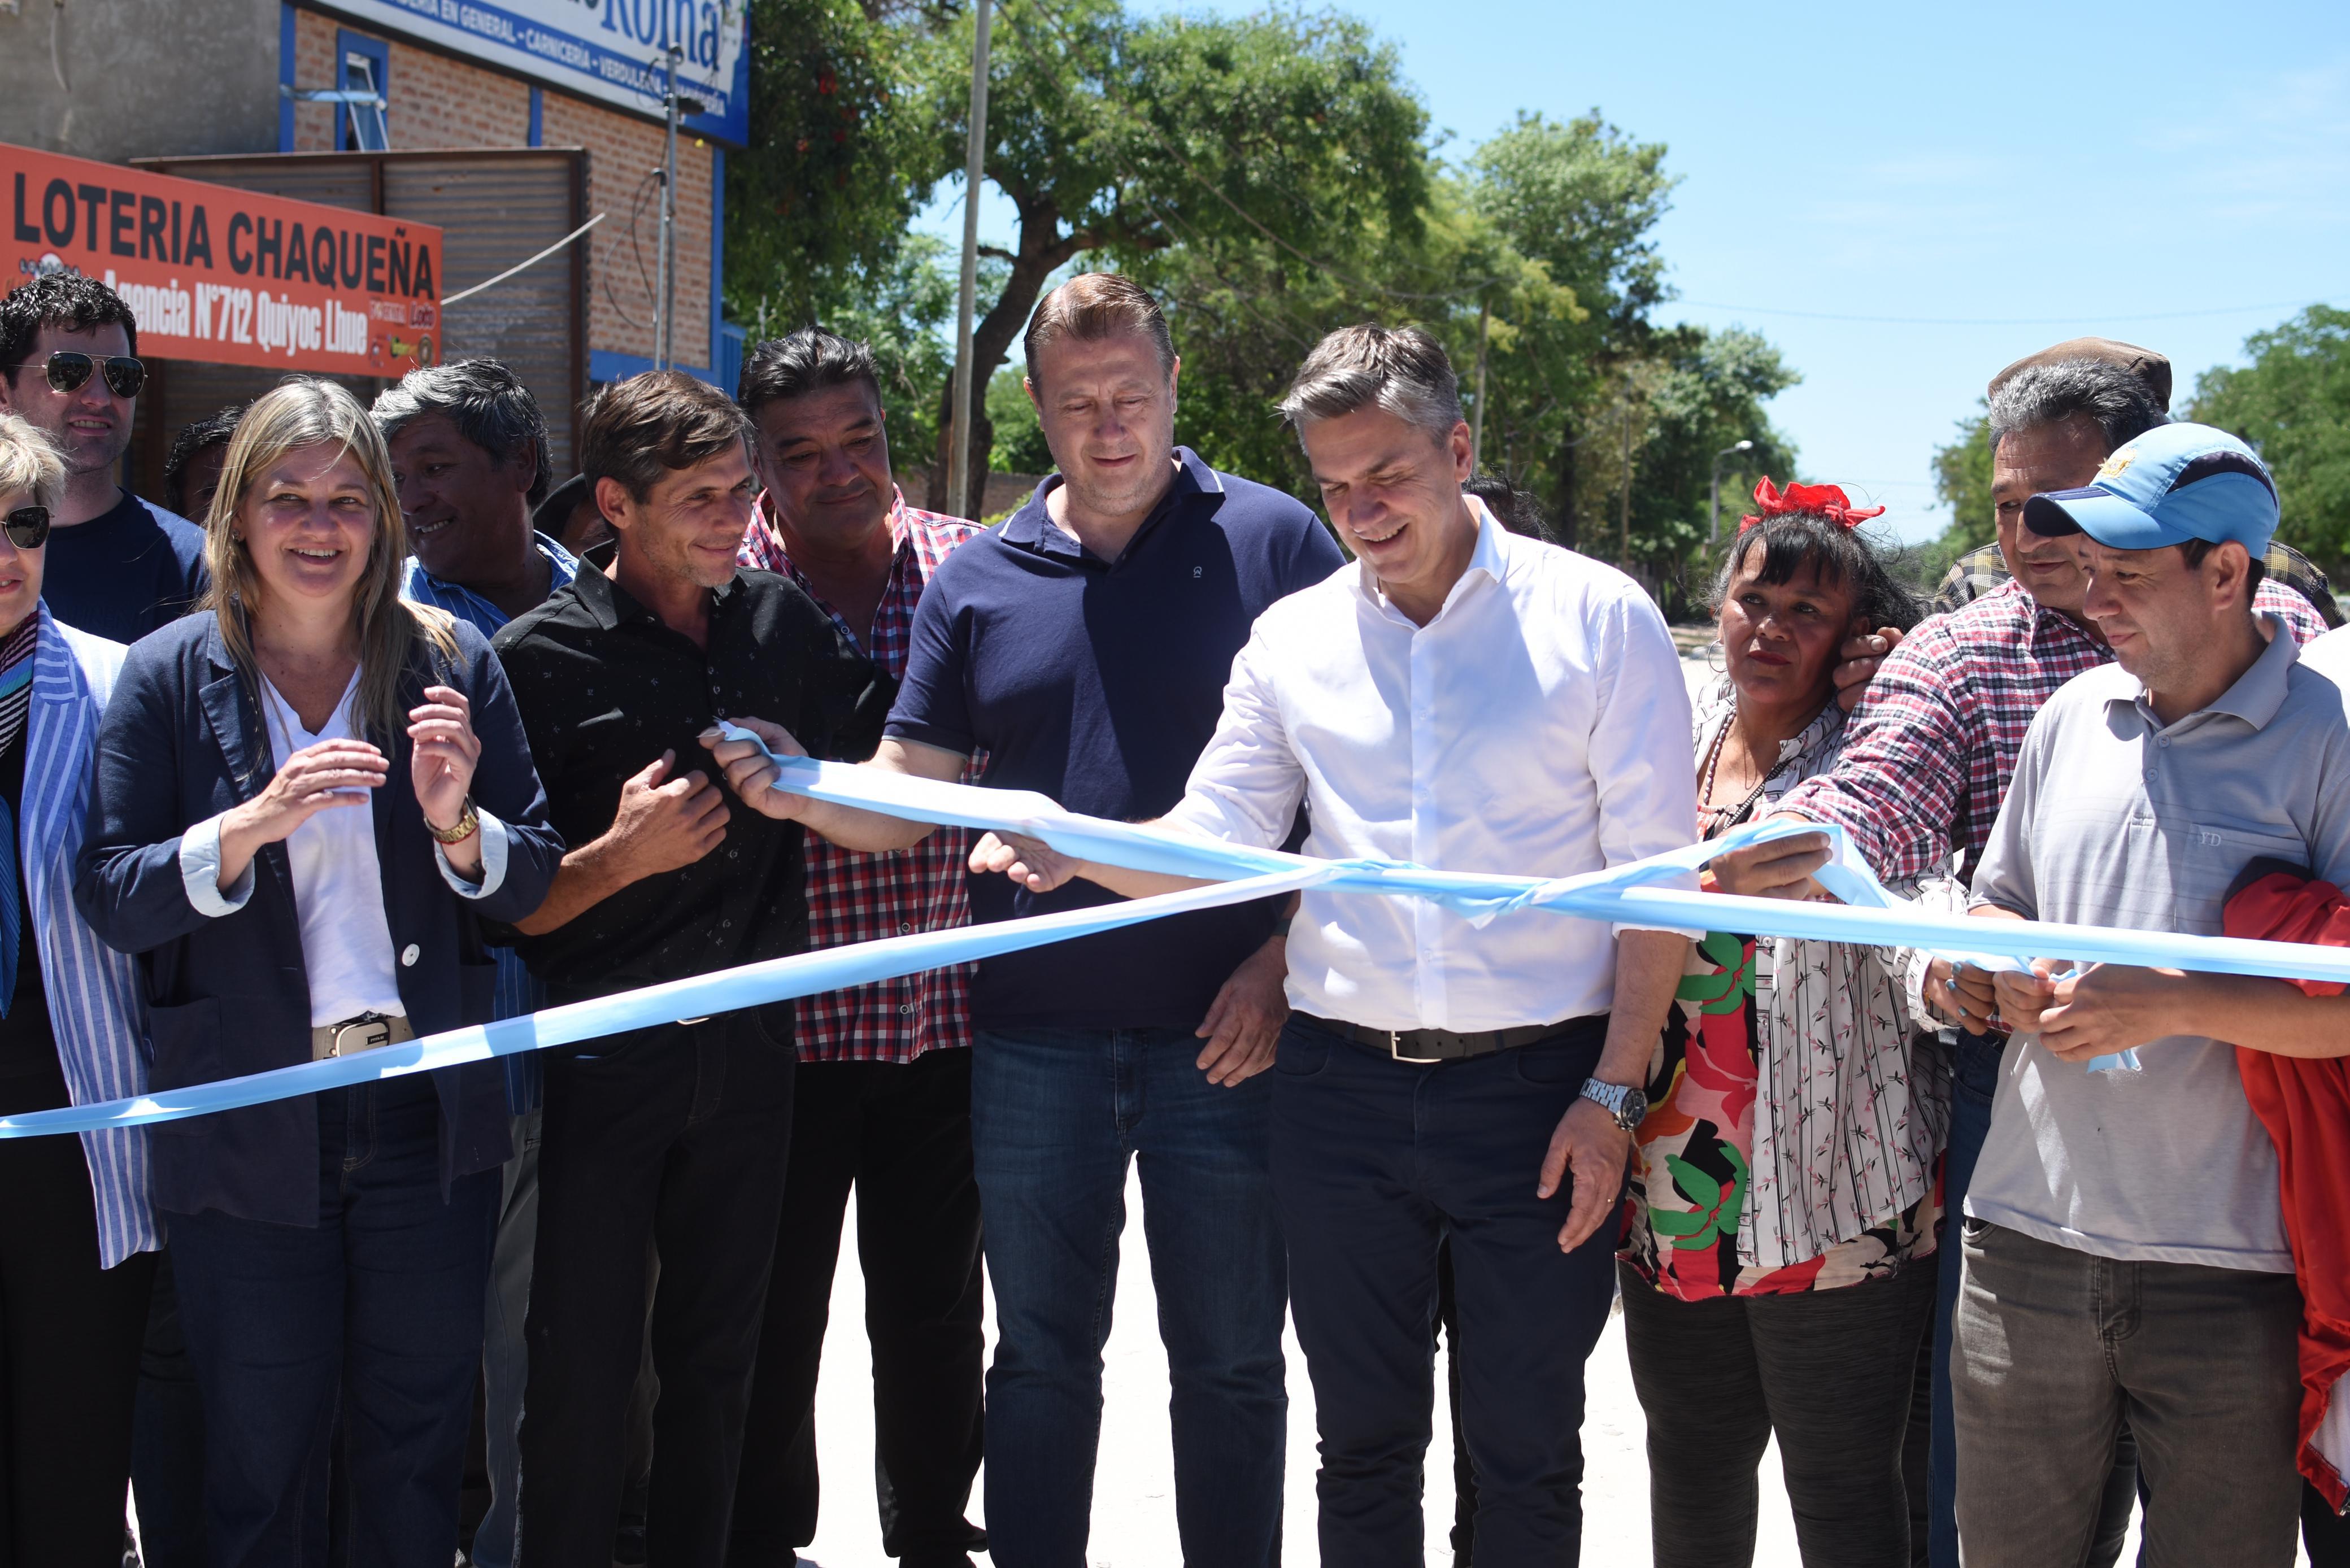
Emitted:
<point x="2174" y="483"/>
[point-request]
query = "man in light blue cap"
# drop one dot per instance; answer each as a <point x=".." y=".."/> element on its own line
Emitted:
<point x="2125" y="1247"/>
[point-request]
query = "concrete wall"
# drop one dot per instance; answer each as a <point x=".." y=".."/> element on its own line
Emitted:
<point x="147" y="78"/>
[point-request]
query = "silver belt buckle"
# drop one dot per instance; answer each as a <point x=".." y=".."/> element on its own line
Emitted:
<point x="1395" y="1051"/>
<point x="369" y="1033"/>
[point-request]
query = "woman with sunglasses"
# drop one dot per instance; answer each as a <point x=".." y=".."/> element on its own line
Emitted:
<point x="310" y="795"/>
<point x="76" y="1237"/>
<point x="118" y="566"/>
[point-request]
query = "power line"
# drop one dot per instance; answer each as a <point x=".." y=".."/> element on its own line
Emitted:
<point x="2002" y="321"/>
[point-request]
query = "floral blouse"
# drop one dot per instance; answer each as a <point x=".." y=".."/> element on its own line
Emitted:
<point x="1795" y="1134"/>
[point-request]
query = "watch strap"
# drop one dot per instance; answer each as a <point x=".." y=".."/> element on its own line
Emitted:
<point x="468" y="823"/>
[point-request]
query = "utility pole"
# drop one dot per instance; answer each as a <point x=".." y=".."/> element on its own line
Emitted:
<point x="1713" y="531"/>
<point x="1477" y="425"/>
<point x="959" y="496"/>
<point x="666" y="287"/>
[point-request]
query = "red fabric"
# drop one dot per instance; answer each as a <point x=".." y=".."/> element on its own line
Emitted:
<point x="1828" y="500"/>
<point x="2306" y="1104"/>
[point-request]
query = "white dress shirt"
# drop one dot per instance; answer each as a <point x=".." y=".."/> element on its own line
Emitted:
<point x="1538" y="725"/>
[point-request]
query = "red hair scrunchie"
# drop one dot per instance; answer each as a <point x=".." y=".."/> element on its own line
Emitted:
<point x="1828" y="501"/>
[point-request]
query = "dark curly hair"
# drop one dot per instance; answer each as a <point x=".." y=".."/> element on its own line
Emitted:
<point x="1792" y="542"/>
<point x="59" y="299"/>
<point x="197" y="435"/>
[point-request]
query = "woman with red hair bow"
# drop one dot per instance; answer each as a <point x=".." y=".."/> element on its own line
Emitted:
<point x="1778" y="1268"/>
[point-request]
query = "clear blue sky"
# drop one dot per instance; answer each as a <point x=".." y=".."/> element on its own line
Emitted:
<point x="2081" y="169"/>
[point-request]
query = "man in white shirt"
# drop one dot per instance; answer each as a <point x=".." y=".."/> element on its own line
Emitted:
<point x="1472" y="701"/>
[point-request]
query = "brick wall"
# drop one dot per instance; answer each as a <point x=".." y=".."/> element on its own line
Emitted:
<point x="435" y="102"/>
<point x="620" y="149"/>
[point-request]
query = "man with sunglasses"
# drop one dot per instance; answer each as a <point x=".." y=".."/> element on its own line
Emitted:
<point x="118" y="566"/>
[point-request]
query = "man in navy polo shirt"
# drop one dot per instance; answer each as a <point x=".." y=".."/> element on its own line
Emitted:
<point x="1083" y="648"/>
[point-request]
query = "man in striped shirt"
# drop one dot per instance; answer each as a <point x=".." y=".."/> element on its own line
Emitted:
<point x="1934" y="741"/>
<point x="882" y="1099"/>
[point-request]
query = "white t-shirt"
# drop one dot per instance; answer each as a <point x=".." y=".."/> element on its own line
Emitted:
<point x="338" y="882"/>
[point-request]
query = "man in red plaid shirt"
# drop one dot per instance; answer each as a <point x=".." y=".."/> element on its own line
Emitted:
<point x="882" y="1102"/>
<point x="1933" y="745"/>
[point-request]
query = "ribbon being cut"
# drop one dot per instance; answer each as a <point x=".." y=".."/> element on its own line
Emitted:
<point x="1868" y="915"/>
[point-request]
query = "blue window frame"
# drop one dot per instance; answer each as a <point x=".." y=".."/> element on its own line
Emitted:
<point x="363" y="65"/>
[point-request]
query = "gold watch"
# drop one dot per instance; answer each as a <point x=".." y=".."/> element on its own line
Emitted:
<point x="468" y="822"/>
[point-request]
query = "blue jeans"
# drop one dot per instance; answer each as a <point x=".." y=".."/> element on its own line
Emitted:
<point x="1055" y="1114"/>
<point x="1376" y="1161"/>
<point x="376" y="1310"/>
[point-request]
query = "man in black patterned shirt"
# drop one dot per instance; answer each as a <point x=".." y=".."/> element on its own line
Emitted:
<point x="670" y="1140"/>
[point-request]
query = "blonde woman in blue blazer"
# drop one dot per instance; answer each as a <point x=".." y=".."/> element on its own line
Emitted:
<point x="76" y="1236"/>
<point x="310" y="796"/>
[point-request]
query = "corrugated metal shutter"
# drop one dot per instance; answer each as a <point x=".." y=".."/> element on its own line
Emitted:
<point x="495" y="208"/>
<point x="495" y="211"/>
<point x="332" y="181"/>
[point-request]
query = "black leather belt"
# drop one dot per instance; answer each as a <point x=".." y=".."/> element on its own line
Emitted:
<point x="1441" y="1044"/>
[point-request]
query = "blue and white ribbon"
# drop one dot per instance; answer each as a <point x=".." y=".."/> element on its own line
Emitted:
<point x="1869" y="916"/>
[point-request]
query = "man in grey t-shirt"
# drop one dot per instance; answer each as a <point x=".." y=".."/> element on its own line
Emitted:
<point x="2125" y="1247"/>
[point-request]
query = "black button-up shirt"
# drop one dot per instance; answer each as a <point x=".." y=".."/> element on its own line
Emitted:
<point x="604" y="688"/>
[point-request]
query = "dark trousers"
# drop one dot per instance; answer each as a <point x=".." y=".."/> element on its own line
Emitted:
<point x="374" y="1314"/>
<point x="901" y="1135"/>
<point x="1974" y="1075"/>
<point x="2324" y="1534"/>
<point x="673" y="1137"/>
<point x="167" y="1437"/>
<point x="1830" y="1372"/>
<point x="69" y="1335"/>
<point x="1374" y="1163"/>
<point x="2057" y="1347"/>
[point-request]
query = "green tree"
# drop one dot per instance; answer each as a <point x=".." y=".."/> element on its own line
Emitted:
<point x="1704" y="391"/>
<point x="2293" y="404"/>
<point x="1117" y="137"/>
<point x="1962" y="482"/>
<point x="1582" y="200"/>
<point x="1019" y="441"/>
<point x="818" y="204"/>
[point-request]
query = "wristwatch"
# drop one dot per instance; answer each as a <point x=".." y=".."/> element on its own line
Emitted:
<point x="464" y="829"/>
<point x="1624" y="1102"/>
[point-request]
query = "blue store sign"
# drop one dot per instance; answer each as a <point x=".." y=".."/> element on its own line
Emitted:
<point x="612" y="51"/>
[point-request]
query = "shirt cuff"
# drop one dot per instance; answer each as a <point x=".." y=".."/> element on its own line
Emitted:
<point x="493" y="859"/>
<point x="1204" y="815"/>
<point x="199" y="863"/>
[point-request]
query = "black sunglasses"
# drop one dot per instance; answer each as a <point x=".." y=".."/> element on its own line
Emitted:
<point x="68" y="368"/>
<point x="28" y="527"/>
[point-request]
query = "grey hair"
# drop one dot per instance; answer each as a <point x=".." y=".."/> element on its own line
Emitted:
<point x="487" y="403"/>
<point x="29" y="463"/>
<point x="2123" y="406"/>
<point x="1401" y="370"/>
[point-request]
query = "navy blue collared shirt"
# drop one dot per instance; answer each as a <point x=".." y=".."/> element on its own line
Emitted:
<point x="1098" y="683"/>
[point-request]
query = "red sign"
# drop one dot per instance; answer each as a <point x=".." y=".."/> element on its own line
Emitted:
<point x="231" y="276"/>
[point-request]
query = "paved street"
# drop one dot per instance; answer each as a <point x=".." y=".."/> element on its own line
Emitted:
<point x="1134" y="1499"/>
